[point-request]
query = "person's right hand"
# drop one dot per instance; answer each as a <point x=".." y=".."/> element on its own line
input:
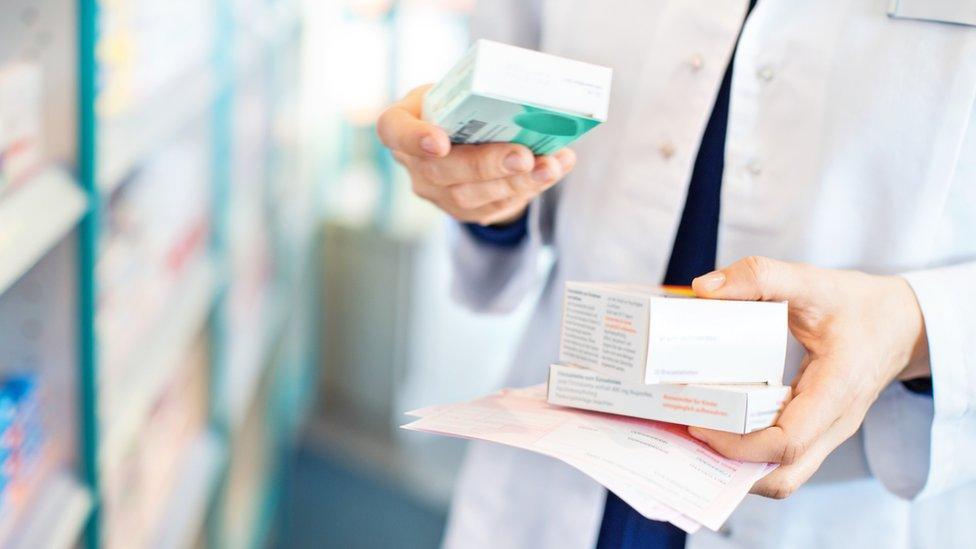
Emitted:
<point x="489" y="184"/>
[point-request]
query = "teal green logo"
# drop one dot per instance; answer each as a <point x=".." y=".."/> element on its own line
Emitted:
<point x="545" y="132"/>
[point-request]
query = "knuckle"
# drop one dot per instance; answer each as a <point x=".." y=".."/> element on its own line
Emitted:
<point x="506" y="204"/>
<point x="758" y="267"/>
<point x="383" y="127"/>
<point x="389" y="129"/>
<point x="428" y="169"/>
<point x="420" y="189"/>
<point x="402" y="158"/>
<point x="792" y="450"/>
<point x="501" y="191"/>
<point x="782" y="488"/>
<point x="483" y="167"/>
<point x="461" y="196"/>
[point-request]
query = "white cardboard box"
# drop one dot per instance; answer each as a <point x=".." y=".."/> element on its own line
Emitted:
<point x="503" y="93"/>
<point x="742" y="408"/>
<point x="645" y="334"/>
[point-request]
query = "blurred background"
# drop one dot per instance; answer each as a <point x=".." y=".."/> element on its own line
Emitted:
<point x="217" y="293"/>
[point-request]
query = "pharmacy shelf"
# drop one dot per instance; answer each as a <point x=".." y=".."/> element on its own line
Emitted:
<point x="248" y="374"/>
<point x="56" y="520"/>
<point x="281" y="25"/>
<point x="34" y="217"/>
<point x="186" y="509"/>
<point x="132" y="137"/>
<point x="282" y="300"/>
<point x="158" y="358"/>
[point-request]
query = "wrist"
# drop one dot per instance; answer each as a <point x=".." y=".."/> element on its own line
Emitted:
<point x="914" y="352"/>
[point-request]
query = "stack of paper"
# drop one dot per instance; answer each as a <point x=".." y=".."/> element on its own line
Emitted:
<point x="657" y="468"/>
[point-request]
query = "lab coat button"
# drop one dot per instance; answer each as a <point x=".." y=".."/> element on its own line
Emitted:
<point x="696" y="62"/>
<point x="766" y="73"/>
<point x="666" y="150"/>
<point x="754" y="167"/>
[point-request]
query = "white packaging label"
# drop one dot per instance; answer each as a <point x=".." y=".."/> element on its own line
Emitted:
<point x="641" y="334"/>
<point x="712" y="341"/>
<point x="733" y="408"/>
<point x="605" y="331"/>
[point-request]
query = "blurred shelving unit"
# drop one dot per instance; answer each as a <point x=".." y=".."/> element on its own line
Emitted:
<point x="34" y="219"/>
<point x="156" y="226"/>
<point x="45" y="501"/>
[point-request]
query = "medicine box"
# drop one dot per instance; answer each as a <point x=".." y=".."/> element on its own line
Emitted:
<point x="20" y="120"/>
<point x="647" y="334"/>
<point x="741" y="408"/>
<point x="503" y="93"/>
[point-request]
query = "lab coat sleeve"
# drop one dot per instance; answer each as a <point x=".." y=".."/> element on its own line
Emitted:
<point x="918" y="445"/>
<point x="495" y="279"/>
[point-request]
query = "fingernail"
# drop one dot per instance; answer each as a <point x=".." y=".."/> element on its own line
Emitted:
<point x="429" y="145"/>
<point x="542" y="174"/>
<point x="516" y="162"/>
<point x="711" y="281"/>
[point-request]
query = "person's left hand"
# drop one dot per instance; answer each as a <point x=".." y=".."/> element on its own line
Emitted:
<point x="860" y="331"/>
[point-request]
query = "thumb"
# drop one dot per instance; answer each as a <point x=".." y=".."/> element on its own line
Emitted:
<point x="755" y="278"/>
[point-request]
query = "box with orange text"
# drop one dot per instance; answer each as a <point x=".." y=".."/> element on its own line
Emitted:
<point x="647" y="334"/>
<point x="741" y="408"/>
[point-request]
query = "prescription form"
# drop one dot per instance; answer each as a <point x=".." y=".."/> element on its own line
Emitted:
<point x="657" y="468"/>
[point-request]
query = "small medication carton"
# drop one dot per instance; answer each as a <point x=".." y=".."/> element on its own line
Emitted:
<point x="21" y="95"/>
<point x="648" y="334"/>
<point x="503" y="93"/>
<point x="741" y="408"/>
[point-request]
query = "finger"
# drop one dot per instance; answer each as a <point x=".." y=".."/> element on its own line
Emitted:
<point x="488" y="214"/>
<point x="485" y="215"/>
<point x="785" y="480"/>
<point x="505" y="211"/>
<point x="567" y="159"/>
<point x="546" y="172"/>
<point x="401" y="129"/>
<point x="470" y="196"/>
<point x="470" y="163"/>
<point x="758" y="279"/>
<point x="433" y="193"/>
<point x="804" y="419"/>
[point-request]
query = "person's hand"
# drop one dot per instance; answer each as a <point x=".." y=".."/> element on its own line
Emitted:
<point x="860" y="331"/>
<point x="487" y="184"/>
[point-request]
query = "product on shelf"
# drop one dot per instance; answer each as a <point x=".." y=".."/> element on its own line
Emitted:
<point x="139" y="487"/>
<point x="250" y="468"/>
<point x="20" y="121"/>
<point x="156" y="231"/>
<point x="249" y="230"/>
<point x="22" y="439"/>
<point x="146" y="47"/>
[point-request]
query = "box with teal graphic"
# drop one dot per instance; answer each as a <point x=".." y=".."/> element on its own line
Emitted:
<point x="503" y="93"/>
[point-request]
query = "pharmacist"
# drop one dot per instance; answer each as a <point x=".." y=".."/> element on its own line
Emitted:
<point x="817" y="151"/>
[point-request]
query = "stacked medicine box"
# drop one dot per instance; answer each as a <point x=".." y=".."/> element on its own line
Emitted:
<point x="658" y="353"/>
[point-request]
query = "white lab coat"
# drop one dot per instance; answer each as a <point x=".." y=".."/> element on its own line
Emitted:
<point x="851" y="144"/>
